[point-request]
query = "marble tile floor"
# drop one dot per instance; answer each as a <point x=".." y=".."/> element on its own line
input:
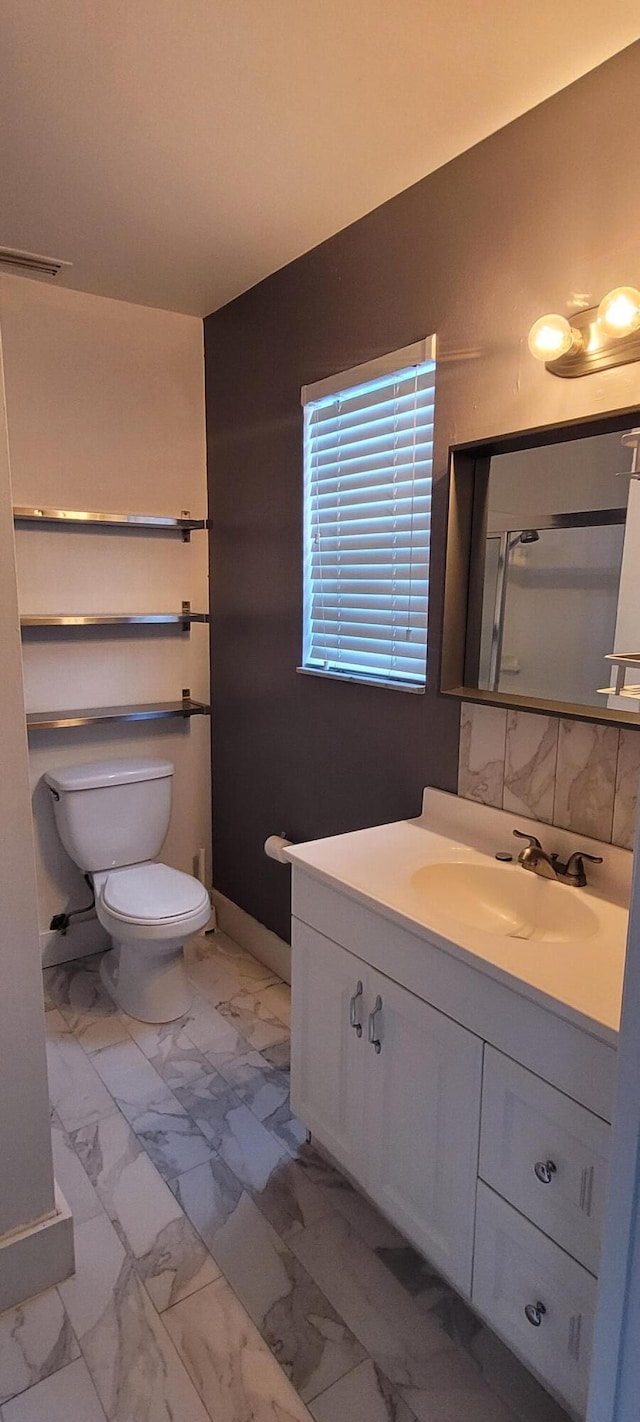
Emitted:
<point x="226" y="1272"/>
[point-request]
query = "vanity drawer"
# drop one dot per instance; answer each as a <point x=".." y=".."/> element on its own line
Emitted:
<point x="536" y="1297"/>
<point x="545" y="1154"/>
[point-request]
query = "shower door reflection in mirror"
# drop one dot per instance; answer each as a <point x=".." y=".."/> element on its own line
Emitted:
<point x="561" y="588"/>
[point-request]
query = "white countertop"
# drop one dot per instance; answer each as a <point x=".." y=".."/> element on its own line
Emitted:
<point x="580" y="979"/>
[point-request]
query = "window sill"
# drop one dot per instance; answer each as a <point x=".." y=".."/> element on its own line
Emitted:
<point x="363" y="680"/>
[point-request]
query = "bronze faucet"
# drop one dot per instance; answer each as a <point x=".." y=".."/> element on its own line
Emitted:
<point x="549" y="866"/>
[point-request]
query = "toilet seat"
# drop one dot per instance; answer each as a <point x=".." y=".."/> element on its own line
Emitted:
<point x="152" y="893"/>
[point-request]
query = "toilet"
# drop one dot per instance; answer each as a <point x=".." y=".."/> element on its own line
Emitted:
<point x="112" y="817"/>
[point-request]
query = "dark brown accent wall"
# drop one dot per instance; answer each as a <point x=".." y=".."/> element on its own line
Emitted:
<point x="547" y="208"/>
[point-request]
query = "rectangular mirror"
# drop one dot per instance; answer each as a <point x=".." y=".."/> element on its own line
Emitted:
<point x="542" y="606"/>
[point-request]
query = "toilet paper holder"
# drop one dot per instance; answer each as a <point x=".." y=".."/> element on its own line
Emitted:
<point x="275" y="846"/>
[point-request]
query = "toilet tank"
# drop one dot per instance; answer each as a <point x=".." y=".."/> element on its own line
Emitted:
<point x="111" y="813"/>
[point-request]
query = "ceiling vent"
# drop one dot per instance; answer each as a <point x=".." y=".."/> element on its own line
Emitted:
<point x="29" y="262"/>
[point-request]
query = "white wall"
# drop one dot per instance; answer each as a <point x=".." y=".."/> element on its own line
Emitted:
<point x="105" y="408"/>
<point x="560" y="478"/>
<point x="26" y="1175"/>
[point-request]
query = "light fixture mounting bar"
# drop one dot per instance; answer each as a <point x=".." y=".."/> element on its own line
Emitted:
<point x="600" y="352"/>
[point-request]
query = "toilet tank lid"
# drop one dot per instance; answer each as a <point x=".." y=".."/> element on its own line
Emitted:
<point x="97" y="773"/>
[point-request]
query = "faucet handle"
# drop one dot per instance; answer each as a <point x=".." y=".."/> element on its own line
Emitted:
<point x="574" y="867"/>
<point x="519" y="834"/>
<point x="578" y="857"/>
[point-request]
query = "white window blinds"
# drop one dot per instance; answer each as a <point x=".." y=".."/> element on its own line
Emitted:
<point x="368" y="458"/>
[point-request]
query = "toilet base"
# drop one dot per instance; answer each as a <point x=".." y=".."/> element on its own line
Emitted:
<point x="150" y="986"/>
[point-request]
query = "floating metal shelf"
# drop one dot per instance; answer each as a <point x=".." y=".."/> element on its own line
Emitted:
<point x="92" y="715"/>
<point x="620" y="662"/>
<point x="32" y="514"/>
<point x="623" y="659"/>
<point x="631" y="692"/>
<point x="112" y="619"/>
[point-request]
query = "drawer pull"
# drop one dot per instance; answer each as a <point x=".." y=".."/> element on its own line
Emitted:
<point x="375" y="1041"/>
<point x="534" y="1313"/>
<point x="353" y="1010"/>
<point x="545" y="1171"/>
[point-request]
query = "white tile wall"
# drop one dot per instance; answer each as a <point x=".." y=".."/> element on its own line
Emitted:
<point x="581" y="775"/>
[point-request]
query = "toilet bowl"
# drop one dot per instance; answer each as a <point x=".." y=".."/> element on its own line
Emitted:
<point x="112" y="817"/>
<point x="149" y="911"/>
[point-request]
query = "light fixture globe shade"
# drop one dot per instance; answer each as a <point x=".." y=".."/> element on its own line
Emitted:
<point x="551" y="337"/>
<point x="619" y="311"/>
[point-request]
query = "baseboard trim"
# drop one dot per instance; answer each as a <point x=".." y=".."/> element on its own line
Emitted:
<point x="38" y="1257"/>
<point x="258" y="940"/>
<point x="80" y="941"/>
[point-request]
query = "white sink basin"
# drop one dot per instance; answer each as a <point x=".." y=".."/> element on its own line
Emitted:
<point x="506" y="900"/>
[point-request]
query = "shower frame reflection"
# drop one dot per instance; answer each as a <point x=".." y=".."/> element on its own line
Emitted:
<point x="508" y="539"/>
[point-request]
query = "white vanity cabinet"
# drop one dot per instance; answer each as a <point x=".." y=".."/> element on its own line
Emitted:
<point x="474" y="1117"/>
<point x="392" y="1088"/>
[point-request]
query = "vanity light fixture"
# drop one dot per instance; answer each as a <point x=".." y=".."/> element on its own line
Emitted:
<point x="595" y="339"/>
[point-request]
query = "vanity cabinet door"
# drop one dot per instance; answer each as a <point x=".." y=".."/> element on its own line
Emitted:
<point x="422" y="1118"/>
<point x="327" y="1049"/>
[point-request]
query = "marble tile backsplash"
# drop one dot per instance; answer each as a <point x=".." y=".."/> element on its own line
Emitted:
<point x="579" y="775"/>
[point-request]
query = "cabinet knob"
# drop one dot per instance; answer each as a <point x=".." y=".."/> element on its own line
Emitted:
<point x="374" y="1040"/>
<point x="545" y="1171"/>
<point x="353" y="1010"/>
<point x="534" y="1313"/>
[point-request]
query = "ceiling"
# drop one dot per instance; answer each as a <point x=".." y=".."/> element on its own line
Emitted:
<point x="177" y="151"/>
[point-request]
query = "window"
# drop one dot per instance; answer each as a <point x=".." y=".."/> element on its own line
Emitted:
<point x="368" y="460"/>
